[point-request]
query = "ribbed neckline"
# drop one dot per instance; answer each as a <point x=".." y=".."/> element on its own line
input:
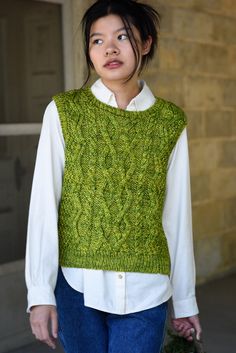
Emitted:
<point x="93" y="101"/>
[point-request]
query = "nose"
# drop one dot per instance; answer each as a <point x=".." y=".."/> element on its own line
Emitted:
<point x="112" y="50"/>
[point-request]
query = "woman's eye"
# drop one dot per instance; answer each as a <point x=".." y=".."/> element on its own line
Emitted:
<point x="122" y="37"/>
<point x="97" y="41"/>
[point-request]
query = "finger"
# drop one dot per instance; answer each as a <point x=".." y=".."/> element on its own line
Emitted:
<point x="198" y="329"/>
<point x="179" y="327"/>
<point x="54" y="324"/>
<point x="184" y="327"/>
<point x="36" y="331"/>
<point x="198" y="332"/>
<point x="186" y="333"/>
<point x="38" y="327"/>
<point x="180" y="323"/>
<point x="35" y="325"/>
<point x="35" y="328"/>
<point x="189" y="338"/>
<point x="45" y="337"/>
<point x="49" y="341"/>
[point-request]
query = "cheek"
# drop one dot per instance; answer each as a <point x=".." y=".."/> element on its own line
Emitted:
<point x="94" y="55"/>
<point x="129" y="52"/>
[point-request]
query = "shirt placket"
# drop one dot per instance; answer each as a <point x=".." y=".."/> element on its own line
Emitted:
<point x="120" y="292"/>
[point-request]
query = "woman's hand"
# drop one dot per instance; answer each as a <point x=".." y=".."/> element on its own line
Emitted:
<point x="44" y="324"/>
<point x="186" y="326"/>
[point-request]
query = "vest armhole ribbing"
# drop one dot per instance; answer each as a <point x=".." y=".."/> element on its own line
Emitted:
<point x="60" y="101"/>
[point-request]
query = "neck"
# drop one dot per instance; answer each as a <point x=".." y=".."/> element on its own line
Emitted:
<point x="124" y="93"/>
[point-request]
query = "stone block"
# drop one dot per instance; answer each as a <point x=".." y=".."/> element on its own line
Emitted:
<point x="194" y="4"/>
<point x="227" y="157"/>
<point x="209" y="5"/>
<point x="229" y="213"/>
<point x="231" y="69"/>
<point x="166" y="17"/>
<point x="219" y="123"/>
<point x="190" y="57"/>
<point x="229" y="89"/>
<point x="200" y="187"/>
<point x="194" y="25"/>
<point x="184" y="3"/>
<point x="153" y="66"/>
<point x="228" y="246"/>
<point x="208" y="256"/>
<point x="169" y="54"/>
<point x="202" y="92"/>
<point x="204" y="155"/>
<point x="224" y="30"/>
<point x="208" y="218"/>
<point x="234" y="124"/>
<point x="229" y="6"/>
<point x="208" y="58"/>
<point x="195" y="124"/>
<point x="222" y="183"/>
<point x="166" y="85"/>
<point x="205" y="28"/>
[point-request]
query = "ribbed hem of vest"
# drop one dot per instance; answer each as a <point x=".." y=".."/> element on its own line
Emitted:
<point x="131" y="263"/>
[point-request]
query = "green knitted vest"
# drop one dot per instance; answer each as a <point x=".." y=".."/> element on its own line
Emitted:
<point x="110" y="212"/>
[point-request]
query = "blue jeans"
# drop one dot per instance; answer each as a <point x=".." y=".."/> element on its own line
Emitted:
<point x="87" y="330"/>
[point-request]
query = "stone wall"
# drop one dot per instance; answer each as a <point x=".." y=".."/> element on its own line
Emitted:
<point x="196" y="68"/>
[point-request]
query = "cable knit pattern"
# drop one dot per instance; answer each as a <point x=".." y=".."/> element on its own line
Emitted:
<point x="110" y="213"/>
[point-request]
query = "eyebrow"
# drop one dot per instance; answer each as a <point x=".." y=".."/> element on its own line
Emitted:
<point x="100" y="34"/>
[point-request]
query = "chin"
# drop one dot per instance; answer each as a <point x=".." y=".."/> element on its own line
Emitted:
<point x="115" y="77"/>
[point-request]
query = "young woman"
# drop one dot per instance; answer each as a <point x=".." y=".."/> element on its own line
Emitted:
<point x="109" y="232"/>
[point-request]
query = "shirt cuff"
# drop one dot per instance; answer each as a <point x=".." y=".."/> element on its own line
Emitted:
<point x="40" y="296"/>
<point x="184" y="308"/>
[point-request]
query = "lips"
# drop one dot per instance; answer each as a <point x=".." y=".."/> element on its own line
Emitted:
<point x="113" y="64"/>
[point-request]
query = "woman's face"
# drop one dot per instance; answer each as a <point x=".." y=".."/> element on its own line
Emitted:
<point x="110" y="49"/>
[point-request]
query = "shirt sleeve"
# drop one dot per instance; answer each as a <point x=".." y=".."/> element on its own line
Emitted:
<point x="42" y="235"/>
<point x="177" y="223"/>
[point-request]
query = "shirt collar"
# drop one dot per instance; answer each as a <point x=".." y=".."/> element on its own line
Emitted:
<point x="144" y="100"/>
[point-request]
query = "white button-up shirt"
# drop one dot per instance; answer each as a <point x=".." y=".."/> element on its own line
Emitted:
<point x="109" y="291"/>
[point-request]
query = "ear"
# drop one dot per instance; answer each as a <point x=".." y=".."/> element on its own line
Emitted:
<point x="146" y="46"/>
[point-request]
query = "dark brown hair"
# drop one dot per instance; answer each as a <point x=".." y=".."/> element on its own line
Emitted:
<point x="144" y="17"/>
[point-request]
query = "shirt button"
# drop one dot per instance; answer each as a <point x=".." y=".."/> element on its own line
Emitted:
<point x="120" y="276"/>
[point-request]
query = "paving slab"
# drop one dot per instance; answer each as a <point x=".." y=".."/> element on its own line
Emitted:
<point x="217" y="306"/>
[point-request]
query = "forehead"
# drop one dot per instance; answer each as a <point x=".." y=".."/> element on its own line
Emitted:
<point x="109" y="23"/>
